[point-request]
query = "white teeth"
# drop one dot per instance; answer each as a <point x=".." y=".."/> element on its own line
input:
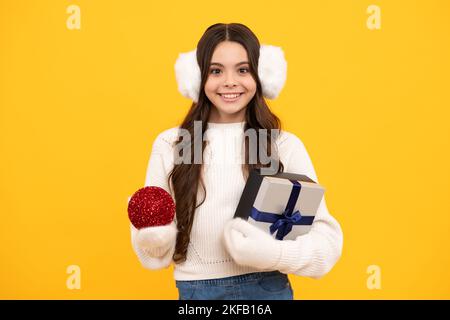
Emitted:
<point x="231" y="96"/>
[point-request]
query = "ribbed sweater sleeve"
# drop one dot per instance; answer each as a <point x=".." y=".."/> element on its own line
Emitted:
<point x="315" y="253"/>
<point x="158" y="168"/>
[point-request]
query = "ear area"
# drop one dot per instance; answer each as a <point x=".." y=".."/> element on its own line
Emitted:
<point x="187" y="74"/>
<point x="272" y="70"/>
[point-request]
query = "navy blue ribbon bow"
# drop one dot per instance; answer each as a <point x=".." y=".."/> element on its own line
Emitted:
<point x="283" y="223"/>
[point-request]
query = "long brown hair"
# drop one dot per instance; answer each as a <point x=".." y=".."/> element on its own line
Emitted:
<point x="187" y="177"/>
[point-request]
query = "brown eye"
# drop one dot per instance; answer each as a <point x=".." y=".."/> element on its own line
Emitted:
<point x="212" y="71"/>
<point x="246" y="70"/>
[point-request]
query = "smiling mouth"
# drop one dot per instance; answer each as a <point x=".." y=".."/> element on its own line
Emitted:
<point x="227" y="94"/>
<point x="230" y="97"/>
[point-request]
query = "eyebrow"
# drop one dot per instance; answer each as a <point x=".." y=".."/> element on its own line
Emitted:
<point x="237" y="64"/>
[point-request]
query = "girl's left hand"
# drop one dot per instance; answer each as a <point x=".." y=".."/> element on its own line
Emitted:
<point x="251" y="246"/>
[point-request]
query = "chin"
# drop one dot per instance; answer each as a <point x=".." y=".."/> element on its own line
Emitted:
<point x="234" y="106"/>
<point x="231" y="111"/>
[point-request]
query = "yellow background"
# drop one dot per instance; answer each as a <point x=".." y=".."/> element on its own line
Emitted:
<point x="79" y="110"/>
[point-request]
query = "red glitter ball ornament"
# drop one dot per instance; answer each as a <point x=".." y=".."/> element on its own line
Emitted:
<point x="151" y="206"/>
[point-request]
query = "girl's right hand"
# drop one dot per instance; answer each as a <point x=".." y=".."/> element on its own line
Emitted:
<point x="156" y="237"/>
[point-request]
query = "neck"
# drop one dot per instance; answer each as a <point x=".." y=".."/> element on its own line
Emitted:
<point x="226" y="125"/>
<point x="217" y="117"/>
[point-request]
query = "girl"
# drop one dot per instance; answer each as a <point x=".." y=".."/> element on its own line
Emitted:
<point x="216" y="256"/>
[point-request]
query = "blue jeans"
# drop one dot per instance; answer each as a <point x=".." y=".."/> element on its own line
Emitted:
<point x="272" y="285"/>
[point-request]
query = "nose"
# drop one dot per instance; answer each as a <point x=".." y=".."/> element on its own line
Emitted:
<point x="229" y="80"/>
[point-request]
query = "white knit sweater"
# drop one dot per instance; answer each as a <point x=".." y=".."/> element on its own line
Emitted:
<point x="311" y="255"/>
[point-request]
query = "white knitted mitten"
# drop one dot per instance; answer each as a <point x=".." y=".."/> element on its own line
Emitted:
<point x="154" y="240"/>
<point x="158" y="238"/>
<point x="250" y="246"/>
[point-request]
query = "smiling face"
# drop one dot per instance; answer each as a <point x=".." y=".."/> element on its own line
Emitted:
<point x="230" y="85"/>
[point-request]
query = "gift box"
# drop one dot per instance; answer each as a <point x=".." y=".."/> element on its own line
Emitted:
<point x="283" y="204"/>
